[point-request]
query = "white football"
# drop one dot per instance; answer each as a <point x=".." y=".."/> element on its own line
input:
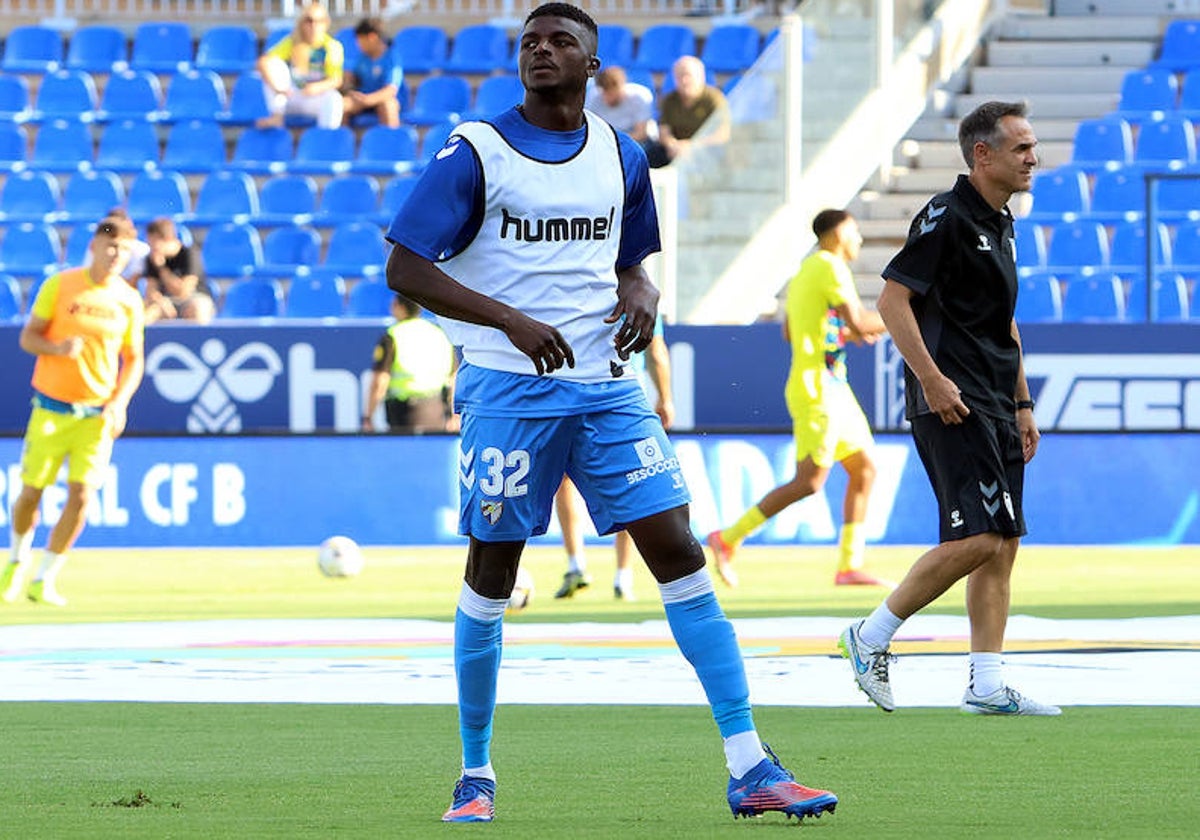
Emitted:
<point x="339" y="557"/>
<point x="522" y="592"/>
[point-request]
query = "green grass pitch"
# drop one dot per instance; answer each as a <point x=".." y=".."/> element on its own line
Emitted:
<point x="120" y="770"/>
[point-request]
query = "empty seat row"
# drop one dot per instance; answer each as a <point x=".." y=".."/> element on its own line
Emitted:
<point x="1112" y="142"/>
<point x="170" y="47"/>
<point x="1155" y="92"/>
<point x="1084" y="242"/>
<point x="1104" y="296"/>
<point x="1068" y="192"/>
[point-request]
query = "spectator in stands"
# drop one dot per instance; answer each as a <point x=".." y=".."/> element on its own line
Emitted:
<point x="413" y="373"/>
<point x="625" y="105"/>
<point x="174" y="286"/>
<point x="687" y="109"/>
<point x="374" y="82"/>
<point x="302" y="73"/>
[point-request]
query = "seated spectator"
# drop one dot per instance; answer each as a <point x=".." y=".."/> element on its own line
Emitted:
<point x="685" y="110"/>
<point x="625" y="105"/>
<point x="373" y="83"/>
<point x="173" y="286"/>
<point x="302" y="73"/>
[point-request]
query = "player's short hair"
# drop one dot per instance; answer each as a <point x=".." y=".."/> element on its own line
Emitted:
<point x="407" y="304"/>
<point x="983" y="125"/>
<point x="116" y="227"/>
<point x="611" y="78"/>
<point x="162" y="227"/>
<point x="566" y="10"/>
<point x="370" y="26"/>
<point x="827" y="220"/>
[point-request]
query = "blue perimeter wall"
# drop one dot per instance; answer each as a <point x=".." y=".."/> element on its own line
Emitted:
<point x="381" y="490"/>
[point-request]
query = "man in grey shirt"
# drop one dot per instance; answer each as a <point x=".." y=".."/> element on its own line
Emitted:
<point x="623" y="104"/>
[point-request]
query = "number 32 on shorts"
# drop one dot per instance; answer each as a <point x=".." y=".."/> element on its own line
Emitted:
<point x="504" y="473"/>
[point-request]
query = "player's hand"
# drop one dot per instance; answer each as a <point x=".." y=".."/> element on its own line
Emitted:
<point x="637" y="311"/>
<point x="1030" y="436"/>
<point x="945" y="400"/>
<point x="70" y="347"/>
<point x="115" y="416"/>
<point x="541" y="343"/>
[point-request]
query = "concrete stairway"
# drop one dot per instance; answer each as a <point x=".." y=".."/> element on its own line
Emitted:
<point x="1068" y="68"/>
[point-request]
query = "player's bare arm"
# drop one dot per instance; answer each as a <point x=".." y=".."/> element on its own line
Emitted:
<point x="33" y="340"/>
<point x="420" y="280"/>
<point x="864" y="326"/>
<point x="941" y="393"/>
<point x="1026" y="424"/>
<point x="636" y="309"/>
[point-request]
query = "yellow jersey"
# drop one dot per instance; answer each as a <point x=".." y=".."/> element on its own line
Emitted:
<point x="823" y="282"/>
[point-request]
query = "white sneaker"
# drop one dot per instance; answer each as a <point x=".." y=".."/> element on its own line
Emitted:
<point x="1005" y="701"/>
<point x="41" y="592"/>
<point x="870" y="667"/>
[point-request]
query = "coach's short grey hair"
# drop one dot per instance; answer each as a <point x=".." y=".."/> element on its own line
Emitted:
<point x="983" y="124"/>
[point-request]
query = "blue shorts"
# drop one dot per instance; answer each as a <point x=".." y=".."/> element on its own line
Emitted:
<point x="509" y="468"/>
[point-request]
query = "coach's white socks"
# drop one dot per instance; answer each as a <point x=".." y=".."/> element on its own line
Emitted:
<point x="987" y="675"/>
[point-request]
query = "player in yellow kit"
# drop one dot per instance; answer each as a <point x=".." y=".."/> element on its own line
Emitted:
<point x="86" y="329"/>
<point x="823" y="311"/>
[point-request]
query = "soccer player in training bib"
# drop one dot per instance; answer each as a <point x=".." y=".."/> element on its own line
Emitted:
<point x="526" y="235"/>
<point x="86" y="329"/>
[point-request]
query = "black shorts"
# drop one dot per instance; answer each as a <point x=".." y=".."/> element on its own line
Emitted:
<point x="977" y="470"/>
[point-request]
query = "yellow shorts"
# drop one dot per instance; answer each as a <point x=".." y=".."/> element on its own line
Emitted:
<point x="84" y="442"/>
<point x="832" y="429"/>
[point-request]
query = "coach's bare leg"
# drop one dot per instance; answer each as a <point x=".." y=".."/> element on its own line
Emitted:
<point x="939" y="568"/>
<point x="988" y="594"/>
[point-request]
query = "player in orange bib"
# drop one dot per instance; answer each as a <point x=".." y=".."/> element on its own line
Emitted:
<point x="86" y="328"/>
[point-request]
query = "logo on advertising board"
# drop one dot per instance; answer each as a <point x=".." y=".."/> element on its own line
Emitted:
<point x="213" y="381"/>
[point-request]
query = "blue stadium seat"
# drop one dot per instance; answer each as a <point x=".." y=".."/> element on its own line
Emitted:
<point x="196" y="147"/>
<point x="1076" y="244"/>
<point x="262" y="151"/>
<point x="1147" y="95"/>
<point x="30" y="249"/>
<point x="421" y="49"/>
<point x="275" y="34"/>
<point x="253" y="297"/>
<point x="356" y="249"/>
<point x="32" y="49"/>
<point x="131" y="95"/>
<point x="1170" y="297"/>
<point x="1031" y="245"/>
<point x="1118" y="194"/>
<point x="439" y="99"/>
<point x="316" y="293"/>
<point x="159" y="193"/>
<point x="386" y="151"/>
<point x="62" y="146"/>
<point x="496" y="94"/>
<point x="731" y="48"/>
<point x="1185" y="251"/>
<point x="394" y="194"/>
<point x="1094" y="296"/>
<point x="15" y="102"/>
<point x="478" y="48"/>
<point x="1180" y="50"/>
<point x="645" y="78"/>
<point x="10" y="298"/>
<point x="14" y="146"/>
<point x="90" y="195"/>
<point x="226" y="196"/>
<point x="434" y="139"/>
<point x="29" y="196"/>
<point x="287" y="199"/>
<point x="289" y="248"/>
<point x="1060" y="193"/>
<point x="162" y="47"/>
<point x="227" y="49"/>
<point x="77" y="241"/>
<point x="1169" y="143"/>
<point x="616" y="45"/>
<point x="1189" y="97"/>
<point x="370" y="299"/>
<point x="67" y="95"/>
<point x="1039" y="299"/>
<point x="194" y="95"/>
<point x="1102" y="143"/>
<point x="347" y="198"/>
<point x="661" y="44"/>
<point x="1128" y="249"/>
<point x="323" y="151"/>
<point x="128" y="146"/>
<point x="231" y="250"/>
<point x="98" y="49"/>
<point x="247" y="101"/>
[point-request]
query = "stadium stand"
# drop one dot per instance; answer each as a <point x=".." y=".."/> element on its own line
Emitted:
<point x="1094" y="296"/>
<point x="1118" y="194"/>
<point x="731" y="48"/>
<point x="252" y="297"/>
<point x="1077" y="243"/>
<point x="1186" y="249"/>
<point x="228" y="50"/>
<point x="128" y="146"/>
<point x="1128" y="246"/>
<point x="478" y="49"/>
<point x="1168" y="143"/>
<point x="262" y="151"/>
<point x="1170" y="297"/>
<point x="1039" y="299"/>
<point x="67" y="95"/>
<point x="1189" y="97"/>
<point x="384" y="151"/>
<point x="98" y="49"/>
<point x="14" y="143"/>
<point x="158" y="193"/>
<point x="316" y="293"/>
<point x="496" y="94"/>
<point x="394" y="194"/>
<point x="131" y="95"/>
<point x="1180" y="51"/>
<point x="30" y="249"/>
<point x="352" y="197"/>
<point x="1031" y="245"/>
<point x="369" y="298"/>
<point x="162" y="46"/>
<point x="434" y="138"/>
<point x="421" y="49"/>
<point x="195" y="147"/>
<point x="91" y="194"/>
<point x="231" y="251"/>
<point x="10" y="298"/>
<point x="1060" y="193"/>
<point x="226" y="196"/>
<point x="439" y="99"/>
<point x="287" y="199"/>
<point x="661" y="44"/>
<point x="616" y="45"/>
<point x="247" y="101"/>
<point x="323" y="151"/>
<point x="76" y="242"/>
<point x="1102" y="143"/>
<point x="29" y="196"/>
<point x="197" y="94"/>
<point x="15" y="102"/>
<point x="1147" y="95"/>
<point x="62" y="146"/>
<point x="32" y="49"/>
<point x="356" y="249"/>
<point x="289" y="248"/>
